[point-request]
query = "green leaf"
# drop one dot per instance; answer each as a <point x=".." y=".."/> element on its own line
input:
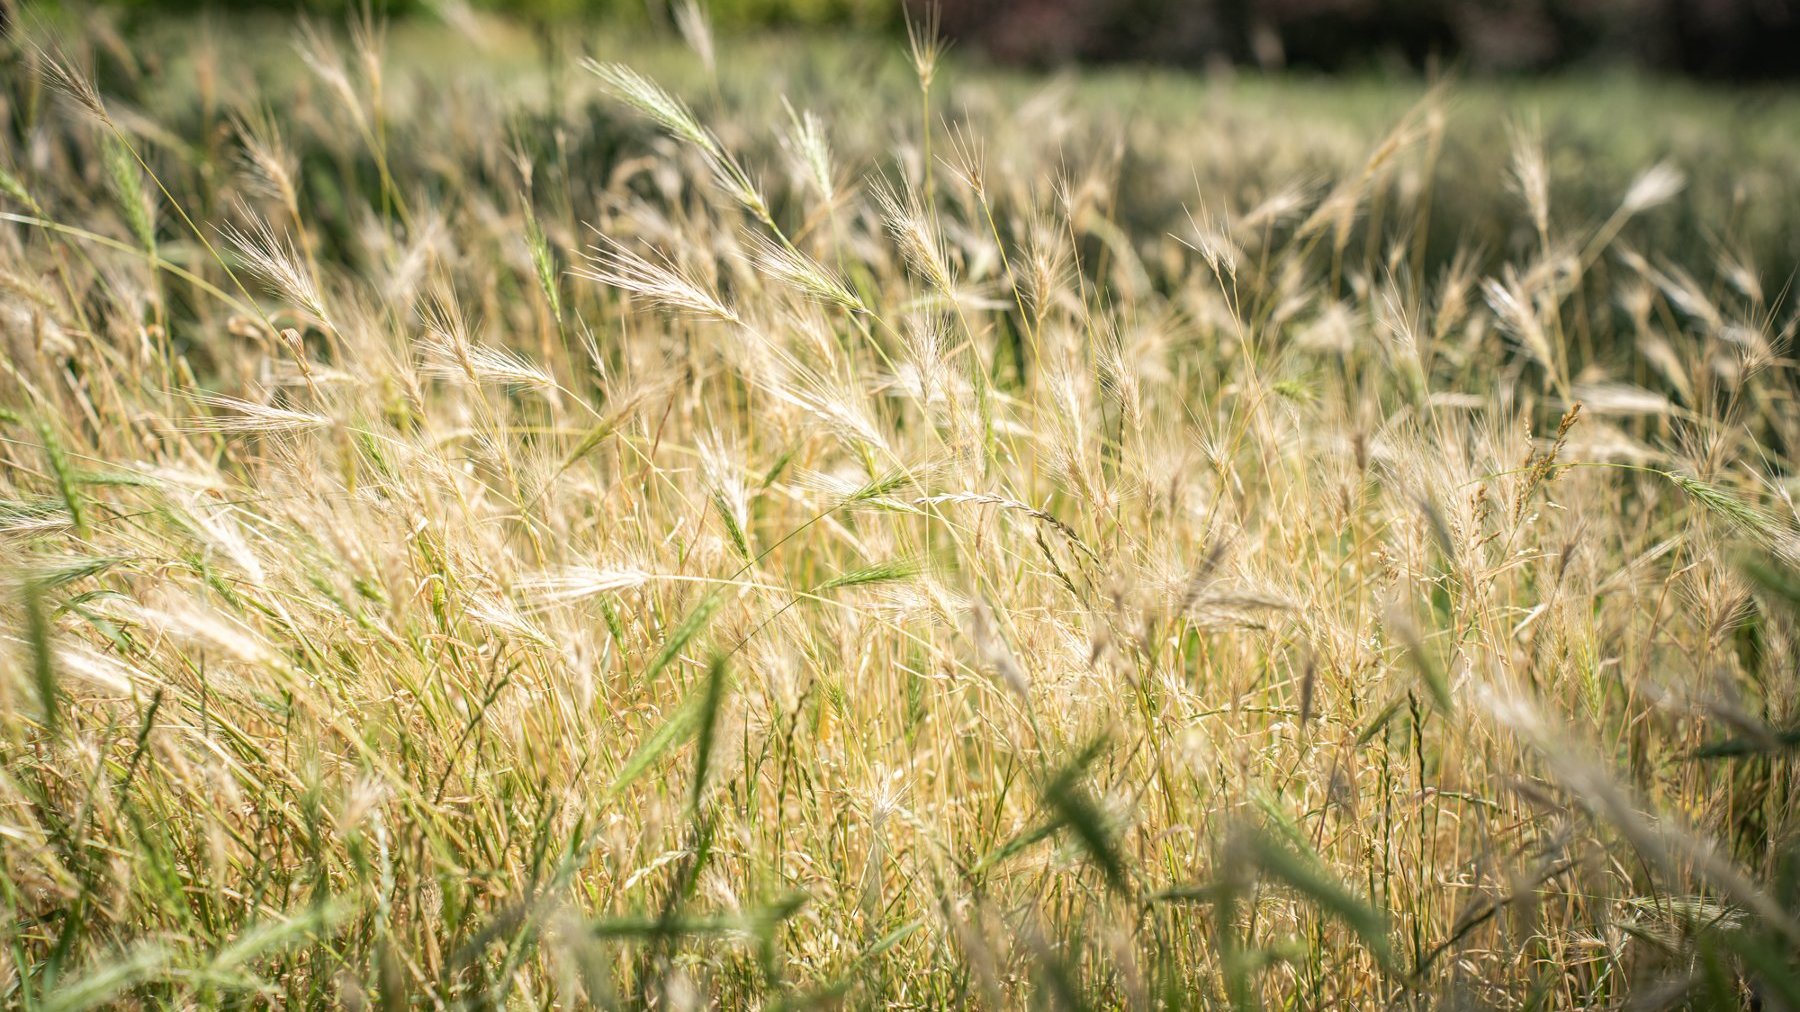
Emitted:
<point x="1429" y="671"/>
<point x="697" y="715"/>
<point x="711" y="701"/>
<point x="1768" y="964"/>
<point x="1373" y="728"/>
<point x="259" y="940"/>
<point x="98" y="986"/>
<point x="43" y="661"/>
<point x="758" y="921"/>
<point x="1779" y="581"/>
<point x="1312" y="879"/>
<point x="668" y="735"/>
<point x="1075" y="810"/>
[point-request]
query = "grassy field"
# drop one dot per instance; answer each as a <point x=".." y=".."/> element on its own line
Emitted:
<point x="783" y="522"/>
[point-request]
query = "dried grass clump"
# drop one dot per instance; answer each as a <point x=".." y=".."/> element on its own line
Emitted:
<point x="657" y="547"/>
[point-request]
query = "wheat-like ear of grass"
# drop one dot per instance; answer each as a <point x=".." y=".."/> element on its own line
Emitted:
<point x="807" y="140"/>
<point x="662" y="283"/>
<point x="237" y="415"/>
<point x="696" y="31"/>
<point x="274" y="259"/>
<point x="647" y="97"/>
<point x="1740" y="513"/>
<point x="917" y="235"/>
<point x="890" y="571"/>
<point x="127" y="182"/>
<point x="542" y="261"/>
<point x="575" y="583"/>
<point x="788" y="266"/>
<point x="674" y="116"/>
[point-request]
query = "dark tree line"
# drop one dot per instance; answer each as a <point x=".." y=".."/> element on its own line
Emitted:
<point x="1725" y="39"/>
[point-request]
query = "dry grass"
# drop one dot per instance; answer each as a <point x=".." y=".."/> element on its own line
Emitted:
<point x="654" y="547"/>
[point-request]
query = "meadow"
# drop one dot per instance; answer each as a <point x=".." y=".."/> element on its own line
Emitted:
<point x="683" y="521"/>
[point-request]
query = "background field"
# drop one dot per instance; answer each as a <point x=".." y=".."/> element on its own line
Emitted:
<point x="863" y="527"/>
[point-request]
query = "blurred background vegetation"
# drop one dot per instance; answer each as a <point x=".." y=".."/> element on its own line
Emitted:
<point x="1734" y="40"/>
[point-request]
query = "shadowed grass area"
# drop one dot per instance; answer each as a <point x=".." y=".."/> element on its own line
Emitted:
<point x="492" y="522"/>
